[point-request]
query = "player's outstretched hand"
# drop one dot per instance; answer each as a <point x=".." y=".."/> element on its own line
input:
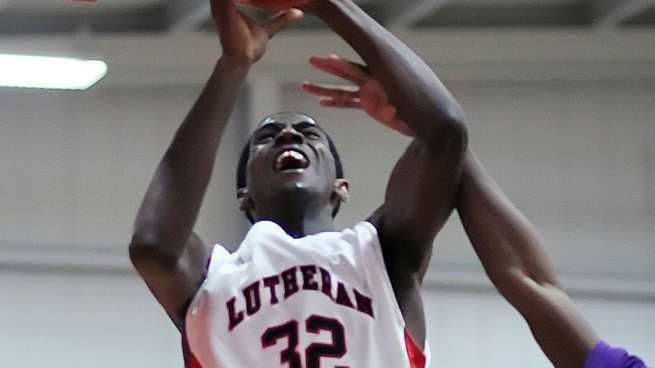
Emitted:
<point x="366" y="93"/>
<point x="242" y="38"/>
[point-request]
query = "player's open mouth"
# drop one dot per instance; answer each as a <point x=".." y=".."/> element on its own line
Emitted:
<point x="291" y="160"/>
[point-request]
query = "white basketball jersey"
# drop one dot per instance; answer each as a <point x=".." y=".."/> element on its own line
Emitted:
<point x="324" y="300"/>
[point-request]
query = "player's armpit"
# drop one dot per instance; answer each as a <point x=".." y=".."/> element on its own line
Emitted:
<point x="173" y="282"/>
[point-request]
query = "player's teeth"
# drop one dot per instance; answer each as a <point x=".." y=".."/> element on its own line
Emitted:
<point x="296" y="155"/>
<point x="293" y="154"/>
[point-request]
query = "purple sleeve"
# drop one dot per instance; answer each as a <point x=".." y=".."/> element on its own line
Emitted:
<point x="605" y="356"/>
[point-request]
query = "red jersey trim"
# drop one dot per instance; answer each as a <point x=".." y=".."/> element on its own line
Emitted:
<point x="190" y="361"/>
<point x="416" y="355"/>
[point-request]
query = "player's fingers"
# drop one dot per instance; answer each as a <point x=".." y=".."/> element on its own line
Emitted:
<point x="341" y="67"/>
<point x="336" y="92"/>
<point x="329" y="67"/>
<point x="388" y="113"/>
<point x="354" y="103"/>
<point x="356" y="69"/>
<point x="280" y="20"/>
<point x="351" y="70"/>
<point x="321" y="64"/>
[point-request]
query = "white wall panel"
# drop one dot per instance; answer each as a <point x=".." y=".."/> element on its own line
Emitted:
<point x="75" y="166"/>
<point x="479" y="329"/>
<point x="83" y="321"/>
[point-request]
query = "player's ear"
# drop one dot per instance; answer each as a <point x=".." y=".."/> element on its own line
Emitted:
<point x="243" y="199"/>
<point x="341" y="190"/>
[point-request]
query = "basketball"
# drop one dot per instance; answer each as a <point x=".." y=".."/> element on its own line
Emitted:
<point x="273" y="4"/>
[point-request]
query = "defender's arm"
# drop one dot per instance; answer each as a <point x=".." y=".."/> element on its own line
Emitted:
<point x="510" y="251"/>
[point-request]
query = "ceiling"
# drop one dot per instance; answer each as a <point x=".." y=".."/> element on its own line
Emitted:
<point x="155" y="16"/>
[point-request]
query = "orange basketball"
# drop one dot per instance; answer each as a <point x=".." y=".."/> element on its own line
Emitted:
<point x="273" y="4"/>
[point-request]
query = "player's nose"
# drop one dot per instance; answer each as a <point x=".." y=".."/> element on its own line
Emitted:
<point x="289" y="135"/>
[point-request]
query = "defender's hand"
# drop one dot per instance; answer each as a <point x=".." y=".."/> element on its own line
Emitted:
<point x="367" y="94"/>
<point x="242" y="38"/>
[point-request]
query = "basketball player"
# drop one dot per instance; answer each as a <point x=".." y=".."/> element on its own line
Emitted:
<point x="298" y="293"/>
<point x="510" y="252"/>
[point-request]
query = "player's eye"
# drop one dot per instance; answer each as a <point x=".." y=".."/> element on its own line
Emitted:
<point x="311" y="134"/>
<point x="265" y="137"/>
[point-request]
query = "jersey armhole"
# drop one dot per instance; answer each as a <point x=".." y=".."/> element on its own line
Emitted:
<point x="219" y="255"/>
<point x="419" y="358"/>
<point x="376" y="271"/>
<point x="190" y="360"/>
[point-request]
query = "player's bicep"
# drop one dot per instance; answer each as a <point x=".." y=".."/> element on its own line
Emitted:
<point x="173" y="282"/>
<point x="420" y="197"/>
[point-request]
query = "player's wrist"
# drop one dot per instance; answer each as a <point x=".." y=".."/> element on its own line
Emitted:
<point x="238" y="66"/>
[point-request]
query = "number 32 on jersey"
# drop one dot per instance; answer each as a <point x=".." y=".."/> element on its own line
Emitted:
<point x="315" y="351"/>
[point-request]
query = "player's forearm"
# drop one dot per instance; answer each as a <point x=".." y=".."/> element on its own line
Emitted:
<point x="509" y="250"/>
<point x="505" y="241"/>
<point x="422" y="100"/>
<point x="173" y="200"/>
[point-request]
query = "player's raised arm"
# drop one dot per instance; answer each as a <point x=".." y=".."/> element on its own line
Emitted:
<point x="510" y="251"/>
<point x="421" y="188"/>
<point x="164" y="250"/>
<point x="400" y="87"/>
<point x="420" y="192"/>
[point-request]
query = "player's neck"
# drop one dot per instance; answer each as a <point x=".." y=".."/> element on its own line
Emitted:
<point x="300" y="222"/>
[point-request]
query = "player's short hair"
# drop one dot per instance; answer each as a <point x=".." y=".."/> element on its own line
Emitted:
<point x="245" y="156"/>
